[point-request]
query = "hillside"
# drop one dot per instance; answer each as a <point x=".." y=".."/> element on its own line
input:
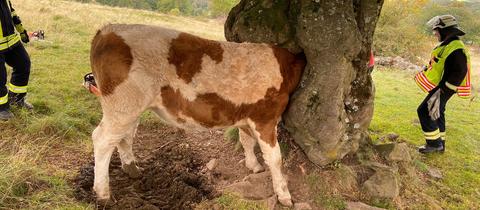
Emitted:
<point x="45" y="156"/>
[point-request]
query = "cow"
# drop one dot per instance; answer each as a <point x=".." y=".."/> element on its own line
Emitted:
<point x="190" y="83"/>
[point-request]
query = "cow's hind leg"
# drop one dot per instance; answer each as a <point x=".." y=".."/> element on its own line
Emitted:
<point x="125" y="152"/>
<point x="267" y="139"/>
<point x="108" y="135"/>
<point x="248" y="143"/>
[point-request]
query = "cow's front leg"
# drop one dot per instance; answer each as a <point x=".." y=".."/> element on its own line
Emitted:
<point x="103" y="149"/>
<point x="273" y="158"/>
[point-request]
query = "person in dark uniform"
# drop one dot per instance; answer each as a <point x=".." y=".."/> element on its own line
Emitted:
<point x="447" y="73"/>
<point x="14" y="54"/>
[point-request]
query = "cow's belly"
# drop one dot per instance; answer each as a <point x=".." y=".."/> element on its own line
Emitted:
<point x="202" y="123"/>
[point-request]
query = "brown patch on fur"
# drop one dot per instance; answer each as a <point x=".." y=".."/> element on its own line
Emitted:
<point x="212" y="110"/>
<point x="111" y="60"/>
<point x="186" y="52"/>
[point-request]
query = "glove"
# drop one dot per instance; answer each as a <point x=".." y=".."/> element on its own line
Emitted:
<point x="424" y="68"/>
<point x="24" y="37"/>
<point x="434" y="105"/>
<point x="23" y="33"/>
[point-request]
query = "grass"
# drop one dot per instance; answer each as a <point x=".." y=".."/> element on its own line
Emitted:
<point x="231" y="201"/>
<point x="34" y="147"/>
<point x="323" y="196"/>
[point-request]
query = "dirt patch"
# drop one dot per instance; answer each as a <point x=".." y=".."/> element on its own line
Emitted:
<point x="173" y="178"/>
<point x="175" y="175"/>
<point x="71" y="158"/>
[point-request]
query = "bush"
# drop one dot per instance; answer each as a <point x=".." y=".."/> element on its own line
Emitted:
<point x="400" y="31"/>
<point x="174" y="11"/>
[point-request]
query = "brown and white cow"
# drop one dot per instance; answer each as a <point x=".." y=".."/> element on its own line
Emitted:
<point x="191" y="83"/>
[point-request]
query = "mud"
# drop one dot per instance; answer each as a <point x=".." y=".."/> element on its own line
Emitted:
<point x="172" y="178"/>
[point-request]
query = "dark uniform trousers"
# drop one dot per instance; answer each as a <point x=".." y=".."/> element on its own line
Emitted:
<point x="16" y="57"/>
<point x="434" y="130"/>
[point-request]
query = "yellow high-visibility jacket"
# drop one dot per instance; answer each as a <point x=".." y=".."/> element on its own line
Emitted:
<point x="428" y="79"/>
<point x="9" y="21"/>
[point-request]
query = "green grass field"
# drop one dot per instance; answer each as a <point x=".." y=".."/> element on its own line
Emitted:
<point x="36" y="148"/>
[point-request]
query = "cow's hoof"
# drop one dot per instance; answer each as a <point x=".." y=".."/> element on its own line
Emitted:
<point x="102" y="193"/>
<point x="258" y="168"/>
<point x="254" y="166"/>
<point x="286" y="202"/>
<point x="132" y="170"/>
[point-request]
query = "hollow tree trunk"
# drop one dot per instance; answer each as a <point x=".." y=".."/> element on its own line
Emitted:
<point x="330" y="112"/>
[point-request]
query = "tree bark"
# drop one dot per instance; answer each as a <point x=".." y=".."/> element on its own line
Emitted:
<point x="331" y="110"/>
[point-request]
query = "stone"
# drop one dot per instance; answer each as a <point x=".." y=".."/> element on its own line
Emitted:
<point x="347" y="179"/>
<point x="435" y="173"/>
<point x="360" y="206"/>
<point x="392" y="136"/>
<point x="397" y="62"/>
<point x="254" y="186"/>
<point x="394" y="151"/>
<point x="212" y="164"/>
<point x="383" y="183"/>
<point x="302" y="206"/>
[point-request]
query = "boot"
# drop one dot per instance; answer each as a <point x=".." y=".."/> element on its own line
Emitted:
<point x="443" y="144"/>
<point x="5" y="113"/>
<point x="18" y="99"/>
<point x="432" y="146"/>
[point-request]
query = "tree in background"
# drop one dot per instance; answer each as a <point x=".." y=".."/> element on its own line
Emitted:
<point x="211" y="8"/>
<point x="467" y="14"/>
<point x="200" y="7"/>
<point x="184" y="6"/>
<point x="402" y="29"/>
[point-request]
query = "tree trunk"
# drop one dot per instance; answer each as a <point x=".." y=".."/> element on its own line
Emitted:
<point x="331" y="110"/>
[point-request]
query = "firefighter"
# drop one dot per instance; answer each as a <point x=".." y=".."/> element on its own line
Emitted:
<point x="14" y="54"/>
<point x="448" y="73"/>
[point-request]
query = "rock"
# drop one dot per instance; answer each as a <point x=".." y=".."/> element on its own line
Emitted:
<point x="212" y="164"/>
<point x="392" y="136"/>
<point x="302" y="206"/>
<point x="360" y="206"/>
<point x="254" y="186"/>
<point x="394" y="151"/>
<point x="347" y="179"/>
<point x="383" y="183"/>
<point x="435" y="173"/>
<point x="396" y="62"/>
<point x="408" y="169"/>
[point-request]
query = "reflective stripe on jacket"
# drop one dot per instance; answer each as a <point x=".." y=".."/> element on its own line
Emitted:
<point x="8" y="21"/>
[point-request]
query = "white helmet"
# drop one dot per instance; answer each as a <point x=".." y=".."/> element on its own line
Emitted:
<point x="442" y="21"/>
